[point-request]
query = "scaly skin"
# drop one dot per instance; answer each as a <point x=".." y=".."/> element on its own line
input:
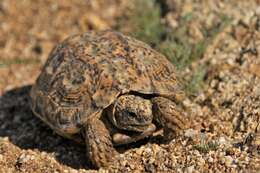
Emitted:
<point x="131" y="113"/>
<point x="169" y="115"/>
<point x="99" y="145"/>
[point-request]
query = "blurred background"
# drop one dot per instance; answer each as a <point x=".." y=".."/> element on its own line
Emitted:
<point x="214" y="45"/>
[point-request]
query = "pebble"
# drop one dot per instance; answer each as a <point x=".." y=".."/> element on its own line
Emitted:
<point x="190" y="169"/>
<point x="228" y="161"/>
<point x="1" y="157"/>
<point x="4" y="139"/>
<point x="73" y="171"/>
<point x="196" y="153"/>
<point x="210" y="160"/>
<point x="201" y="161"/>
<point x="139" y="151"/>
<point x="190" y="133"/>
<point x="24" y="158"/>
<point x="257" y="10"/>
<point x="222" y="140"/>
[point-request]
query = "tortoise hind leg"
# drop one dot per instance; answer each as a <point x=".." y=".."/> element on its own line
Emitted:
<point x="99" y="145"/>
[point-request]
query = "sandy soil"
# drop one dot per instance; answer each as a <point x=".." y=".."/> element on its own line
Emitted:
<point x="225" y="115"/>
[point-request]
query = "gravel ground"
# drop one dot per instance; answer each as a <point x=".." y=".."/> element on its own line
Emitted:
<point x="225" y="131"/>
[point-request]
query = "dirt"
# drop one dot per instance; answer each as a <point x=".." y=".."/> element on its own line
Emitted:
<point x="225" y="114"/>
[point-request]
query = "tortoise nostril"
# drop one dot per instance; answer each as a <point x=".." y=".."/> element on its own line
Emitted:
<point x="132" y="114"/>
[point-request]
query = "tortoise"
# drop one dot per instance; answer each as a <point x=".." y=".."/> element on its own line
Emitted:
<point x="107" y="89"/>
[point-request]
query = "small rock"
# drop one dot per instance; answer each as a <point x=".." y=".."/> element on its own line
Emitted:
<point x="222" y="140"/>
<point x="1" y="157"/>
<point x="43" y="154"/>
<point x="196" y="153"/>
<point x="257" y="11"/>
<point x="190" y="133"/>
<point x="123" y="162"/>
<point x="4" y="139"/>
<point x="210" y="160"/>
<point x="190" y="169"/>
<point x="148" y="151"/>
<point x="23" y="158"/>
<point x="73" y="171"/>
<point x="228" y="161"/>
<point x="201" y="161"/>
<point x="139" y="151"/>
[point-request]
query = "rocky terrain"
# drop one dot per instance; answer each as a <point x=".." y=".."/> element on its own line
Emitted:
<point x="214" y="44"/>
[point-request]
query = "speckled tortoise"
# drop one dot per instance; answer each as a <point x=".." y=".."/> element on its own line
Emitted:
<point x="107" y="89"/>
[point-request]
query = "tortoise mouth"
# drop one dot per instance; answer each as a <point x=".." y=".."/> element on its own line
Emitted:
<point x="143" y="95"/>
<point x="130" y="126"/>
<point x="135" y="127"/>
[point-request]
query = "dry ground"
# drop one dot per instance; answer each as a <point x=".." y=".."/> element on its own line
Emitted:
<point x="225" y="111"/>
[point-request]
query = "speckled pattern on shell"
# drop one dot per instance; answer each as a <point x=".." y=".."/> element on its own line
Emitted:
<point x="85" y="73"/>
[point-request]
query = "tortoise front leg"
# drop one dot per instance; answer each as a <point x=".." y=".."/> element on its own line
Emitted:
<point x="169" y="116"/>
<point x="99" y="145"/>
